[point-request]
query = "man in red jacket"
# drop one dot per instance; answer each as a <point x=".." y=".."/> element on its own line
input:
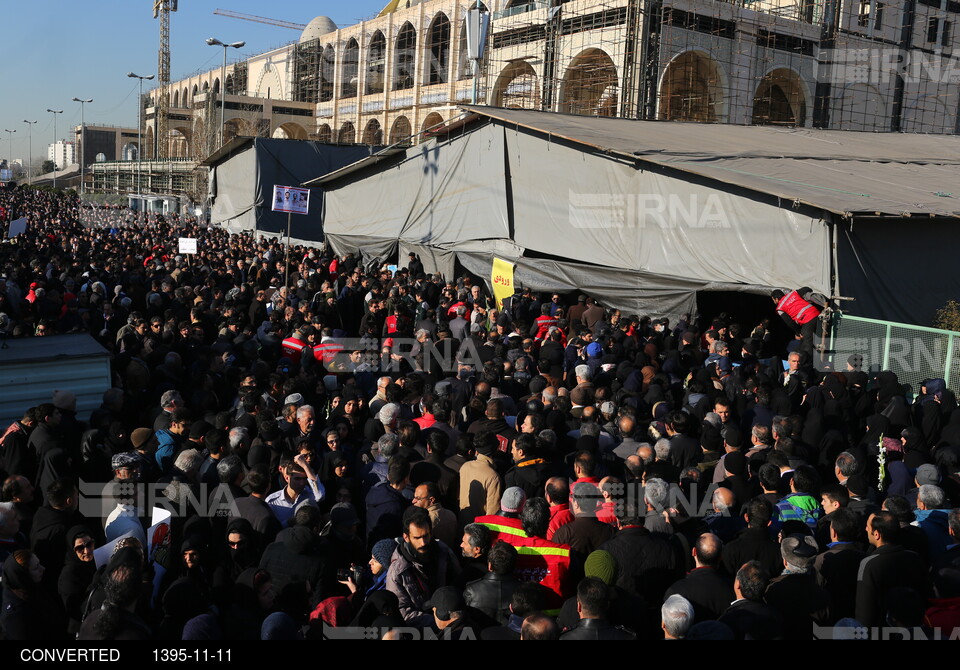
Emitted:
<point x="801" y="315"/>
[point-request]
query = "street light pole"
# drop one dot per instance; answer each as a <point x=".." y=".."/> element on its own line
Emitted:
<point x="83" y="142"/>
<point x="30" y="125"/>
<point x="139" y="131"/>
<point x="214" y="42"/>
<point x="10" y="149"/>
<point x="55" y="112"/>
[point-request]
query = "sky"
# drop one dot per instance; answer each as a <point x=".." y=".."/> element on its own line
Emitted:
<point x="57" y="50"/>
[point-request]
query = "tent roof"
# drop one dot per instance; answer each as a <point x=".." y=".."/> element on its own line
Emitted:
<point x="847" y="173"/>
<point x="237" y="144"/>
<point x="372" y="159"/>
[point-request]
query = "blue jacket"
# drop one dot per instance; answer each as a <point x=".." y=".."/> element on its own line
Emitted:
<point x="167" y="444"/>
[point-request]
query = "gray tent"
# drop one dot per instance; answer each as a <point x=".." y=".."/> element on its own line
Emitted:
<point x="245" y="170"/>
<point x="644" y="215"/>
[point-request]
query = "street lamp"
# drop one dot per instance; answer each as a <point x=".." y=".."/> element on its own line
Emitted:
<point x="139" y="129"/>
<point x="83" y="141"/>
<point x="30" y="125"/>
<point x="10" y="149"/>
<point x="214" y="42"/>
<point x="55" y="112"/>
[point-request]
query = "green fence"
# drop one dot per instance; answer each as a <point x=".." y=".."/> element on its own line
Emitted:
<point x="914" y="353"/>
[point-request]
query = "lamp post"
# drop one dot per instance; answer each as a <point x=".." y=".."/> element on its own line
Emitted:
<point x="55" y="112"/>
<point x="139" y="129"/>
<point x="83" y="142"/>
<point x="214" y="42"/>
<point x="10" y="149"/>
<point x="30" y="125"/>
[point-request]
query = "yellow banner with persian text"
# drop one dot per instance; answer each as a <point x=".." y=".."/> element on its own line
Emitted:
<point x="501" y="279"/>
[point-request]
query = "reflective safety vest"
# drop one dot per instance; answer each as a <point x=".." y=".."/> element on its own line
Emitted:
<point x="544" y="324"/>
<point x="326" y="352"/>
<point x="293" y="348"/>
<point x="538" y="560"/>
<point x="797" y="308"/>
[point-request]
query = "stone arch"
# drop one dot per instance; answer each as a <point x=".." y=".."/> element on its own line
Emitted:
<point x="405" y="58"/>
<point x="433" y="119"/>
<point x="438" y="50"/>
<point x="238" y="127"/>
<point x="401" y="130"/>
<point x="350" y="69"/>
<point x="269" y="84"/>
<point x="780" y="99"/>
<point x="691" y="89"/>
<point x="185" y="97"/>
<point x="228" y="86"/>
<point x="206" y="86"/>
<point x="129" y="152"/>
<point x="148" y="151"/>
<point x="328" y="68"/>
<point x="202" y="142"/>
<point x="373" y="133"/>
<point x="196" y="90"/>
<point x="517" y="87"/>
<point x="178" y="143"/>
<point x="176" y="99"/>
<point x="376" y="63"/>
<point x="290" y="131"/>
<point x="216" y="86"/>
<point x="324" y="133"/>
<point x="590" y="85"/>
<point x="347" y="134"/>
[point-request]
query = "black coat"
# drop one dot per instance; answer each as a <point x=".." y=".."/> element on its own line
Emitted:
<point x="886" y="568"/>
<point x="257" y="512"/>
<point x="709" y="591"/>
<point x="48" y="536"/>
<point x="837" y="570"/>
<point x="647" y="564"/>
<point x="684" y="451"/>
<point x="597" y="629"/>
<point x="296" y="556"/>
<point x="385" y="506"/>
<point x="584" y="534"/>
<point x="491" y="595"/>
<point x="17" y="457"/>
<point x="756" y="620"/>
<point x="752" y="544"/>
<point x="801" y="602"/>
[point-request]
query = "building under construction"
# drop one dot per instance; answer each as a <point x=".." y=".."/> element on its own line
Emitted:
<point x="840" y="64"/>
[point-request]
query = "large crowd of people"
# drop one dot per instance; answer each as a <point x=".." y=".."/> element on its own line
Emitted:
<point x="350" y="451"/>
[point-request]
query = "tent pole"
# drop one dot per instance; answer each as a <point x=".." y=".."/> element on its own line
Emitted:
<point x="286" y="264"/>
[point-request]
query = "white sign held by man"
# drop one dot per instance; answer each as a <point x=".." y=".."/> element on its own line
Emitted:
<point x="188" y="245"/>
<point x="291" y="199"/>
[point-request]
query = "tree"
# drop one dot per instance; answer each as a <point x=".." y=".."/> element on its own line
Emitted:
<point x="48" y="166"/>
<point x="948" y="317"/>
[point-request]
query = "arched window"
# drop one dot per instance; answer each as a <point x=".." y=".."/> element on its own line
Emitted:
<point x="328" y="64"/>
<point x="376" y="63"/>
<point x="405" y="58"/>
<point x="350" y="70"/>
<point x="438" y="50"/>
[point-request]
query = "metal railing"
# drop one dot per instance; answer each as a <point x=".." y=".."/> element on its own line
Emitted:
<point x="913" y="353"/>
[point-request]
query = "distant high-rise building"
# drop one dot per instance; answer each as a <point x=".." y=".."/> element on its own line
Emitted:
<point x="62" y="153"/>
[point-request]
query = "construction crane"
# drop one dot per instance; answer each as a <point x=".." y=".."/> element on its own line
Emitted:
<point x="260" y="19"/>
<point x="161" y="10"/>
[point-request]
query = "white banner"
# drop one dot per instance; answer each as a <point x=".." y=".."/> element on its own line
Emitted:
<point x="188" y="245"/>
<point x="291" y="199"/>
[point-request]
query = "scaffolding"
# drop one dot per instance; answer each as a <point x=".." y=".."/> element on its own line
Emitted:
<point x="842" y="64"/>
<point x="306" y="71"/>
